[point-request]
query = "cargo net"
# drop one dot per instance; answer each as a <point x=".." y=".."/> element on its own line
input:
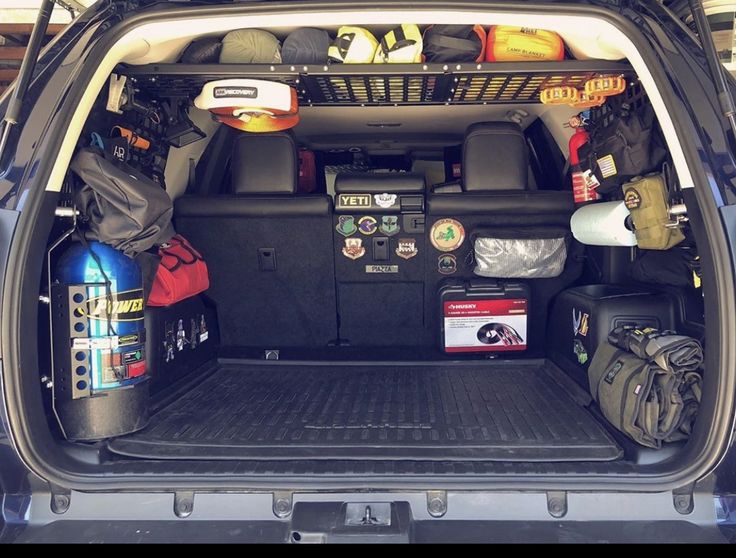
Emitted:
<point x="395" y="84"/>
<point x="510" y="88"/>
<point x="357" y="90"/>
<point x="634" y="97"/>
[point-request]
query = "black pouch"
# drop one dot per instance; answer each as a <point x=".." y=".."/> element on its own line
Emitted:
<point x="627" y="147"/>
<point x="121" y="206"/>
<point x="666" y="267"/>
<point x="454" y="43"/>
<point x="522" y="253"/>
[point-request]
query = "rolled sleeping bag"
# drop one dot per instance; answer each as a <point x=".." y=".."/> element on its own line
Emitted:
<point x="306" y="46"/>
<point x="202" y="51"/>
<point x="603" y="224"/>
<point x="250" y="46"/>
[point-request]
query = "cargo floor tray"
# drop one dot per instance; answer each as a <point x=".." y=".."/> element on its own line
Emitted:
<point x="505" y="411"/>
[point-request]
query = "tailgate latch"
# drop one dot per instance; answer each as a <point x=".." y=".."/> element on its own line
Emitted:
<point x="367" y="515"/>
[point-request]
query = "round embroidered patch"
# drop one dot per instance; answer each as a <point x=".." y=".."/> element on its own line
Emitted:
<point x="632" y="199"/>
<point x="367" y="225"/>
<point x="447" y="235"/>
<point x="447" y="264"/>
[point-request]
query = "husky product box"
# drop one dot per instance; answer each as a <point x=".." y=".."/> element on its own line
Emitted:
<point x="582" y="317"/>
<point x="180" y="338"/>
<point x="482" y="316"/>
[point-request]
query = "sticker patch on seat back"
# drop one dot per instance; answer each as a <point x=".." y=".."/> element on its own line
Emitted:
<point x="353" y="248"/>
<point x="353" y="201"/>
<point x="346" y="225"/>
<point x="447" y="235"/>
<point x="367" y="225"/>
<point x="385" y="200"/>
<point x="407" y="248"/>
<point x="381" y="268"/>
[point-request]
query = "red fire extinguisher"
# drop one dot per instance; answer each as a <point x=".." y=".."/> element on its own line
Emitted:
<point x="583" y="187"/>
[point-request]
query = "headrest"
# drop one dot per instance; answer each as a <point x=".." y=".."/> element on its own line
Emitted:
<point x="495" y="157"/>
<point x="265" y="164"/>
<point x="378" y="183"/>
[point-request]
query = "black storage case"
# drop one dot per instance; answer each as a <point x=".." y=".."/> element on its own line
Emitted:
<point x="470" y="312"/>
<point x="180" y="338"/>
<point x="582" y="317"/>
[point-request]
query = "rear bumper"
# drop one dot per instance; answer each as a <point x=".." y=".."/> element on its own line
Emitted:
<point x="403" y="517"/>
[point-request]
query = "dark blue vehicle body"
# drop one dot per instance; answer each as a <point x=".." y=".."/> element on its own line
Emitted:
<point x="33" y="509"/>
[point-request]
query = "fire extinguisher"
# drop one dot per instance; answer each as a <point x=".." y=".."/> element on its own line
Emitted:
<point x="583" y="187"/>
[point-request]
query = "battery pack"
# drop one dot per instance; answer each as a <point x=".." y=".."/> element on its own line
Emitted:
<point x="484" y="316"/>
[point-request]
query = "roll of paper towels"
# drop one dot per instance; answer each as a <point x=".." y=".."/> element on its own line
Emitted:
<point x="602" y="224"/>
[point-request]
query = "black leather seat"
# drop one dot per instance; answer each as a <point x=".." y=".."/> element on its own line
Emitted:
<point x="496" y="196"/>
<point x="379" y="183"/>
<point x="495" y="181"/>
<point x="269" y="251"/>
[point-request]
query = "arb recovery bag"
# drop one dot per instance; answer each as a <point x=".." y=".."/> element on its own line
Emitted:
<point x="181" y="274"/>
<point x="251" y="105"/>
<point x="454" y="43"/>
<point x="517" y="44"/>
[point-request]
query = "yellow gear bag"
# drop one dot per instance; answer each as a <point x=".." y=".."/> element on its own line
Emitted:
<point x="401" y="45"/>
<point x="514" y="44"/>
<point x="353" y="45"/>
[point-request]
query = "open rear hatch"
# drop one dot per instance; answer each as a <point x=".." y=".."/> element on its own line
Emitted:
<point x="359" y="314"/>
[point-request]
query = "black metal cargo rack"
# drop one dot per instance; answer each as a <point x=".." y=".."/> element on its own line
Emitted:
<point x="383" y="84"/>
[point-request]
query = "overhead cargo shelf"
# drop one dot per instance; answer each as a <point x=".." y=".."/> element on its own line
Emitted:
<point x="384" y="84"/>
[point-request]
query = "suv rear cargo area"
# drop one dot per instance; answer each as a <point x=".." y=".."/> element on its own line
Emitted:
<point x="394" y="286"/>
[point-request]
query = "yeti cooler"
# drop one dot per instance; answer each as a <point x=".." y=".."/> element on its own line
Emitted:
<point x="483" y="316"/>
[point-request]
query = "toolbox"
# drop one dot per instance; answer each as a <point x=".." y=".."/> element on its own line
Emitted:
<point x="482" y="316"/>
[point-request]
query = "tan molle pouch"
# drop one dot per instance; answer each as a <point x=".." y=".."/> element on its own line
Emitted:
<point x="647" y="200"/>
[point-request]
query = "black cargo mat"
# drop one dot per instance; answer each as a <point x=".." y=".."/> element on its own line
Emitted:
<point x="494" y="411"/>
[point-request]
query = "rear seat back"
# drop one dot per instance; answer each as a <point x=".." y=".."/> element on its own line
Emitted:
<point x="495" y="157"/>
<point x="268" y="250"/>
<point x="379" y="258"/>
<point x="496" y="198"/>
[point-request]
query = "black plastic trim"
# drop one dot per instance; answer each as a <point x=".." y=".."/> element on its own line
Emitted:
<point x="18" y="347"/>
